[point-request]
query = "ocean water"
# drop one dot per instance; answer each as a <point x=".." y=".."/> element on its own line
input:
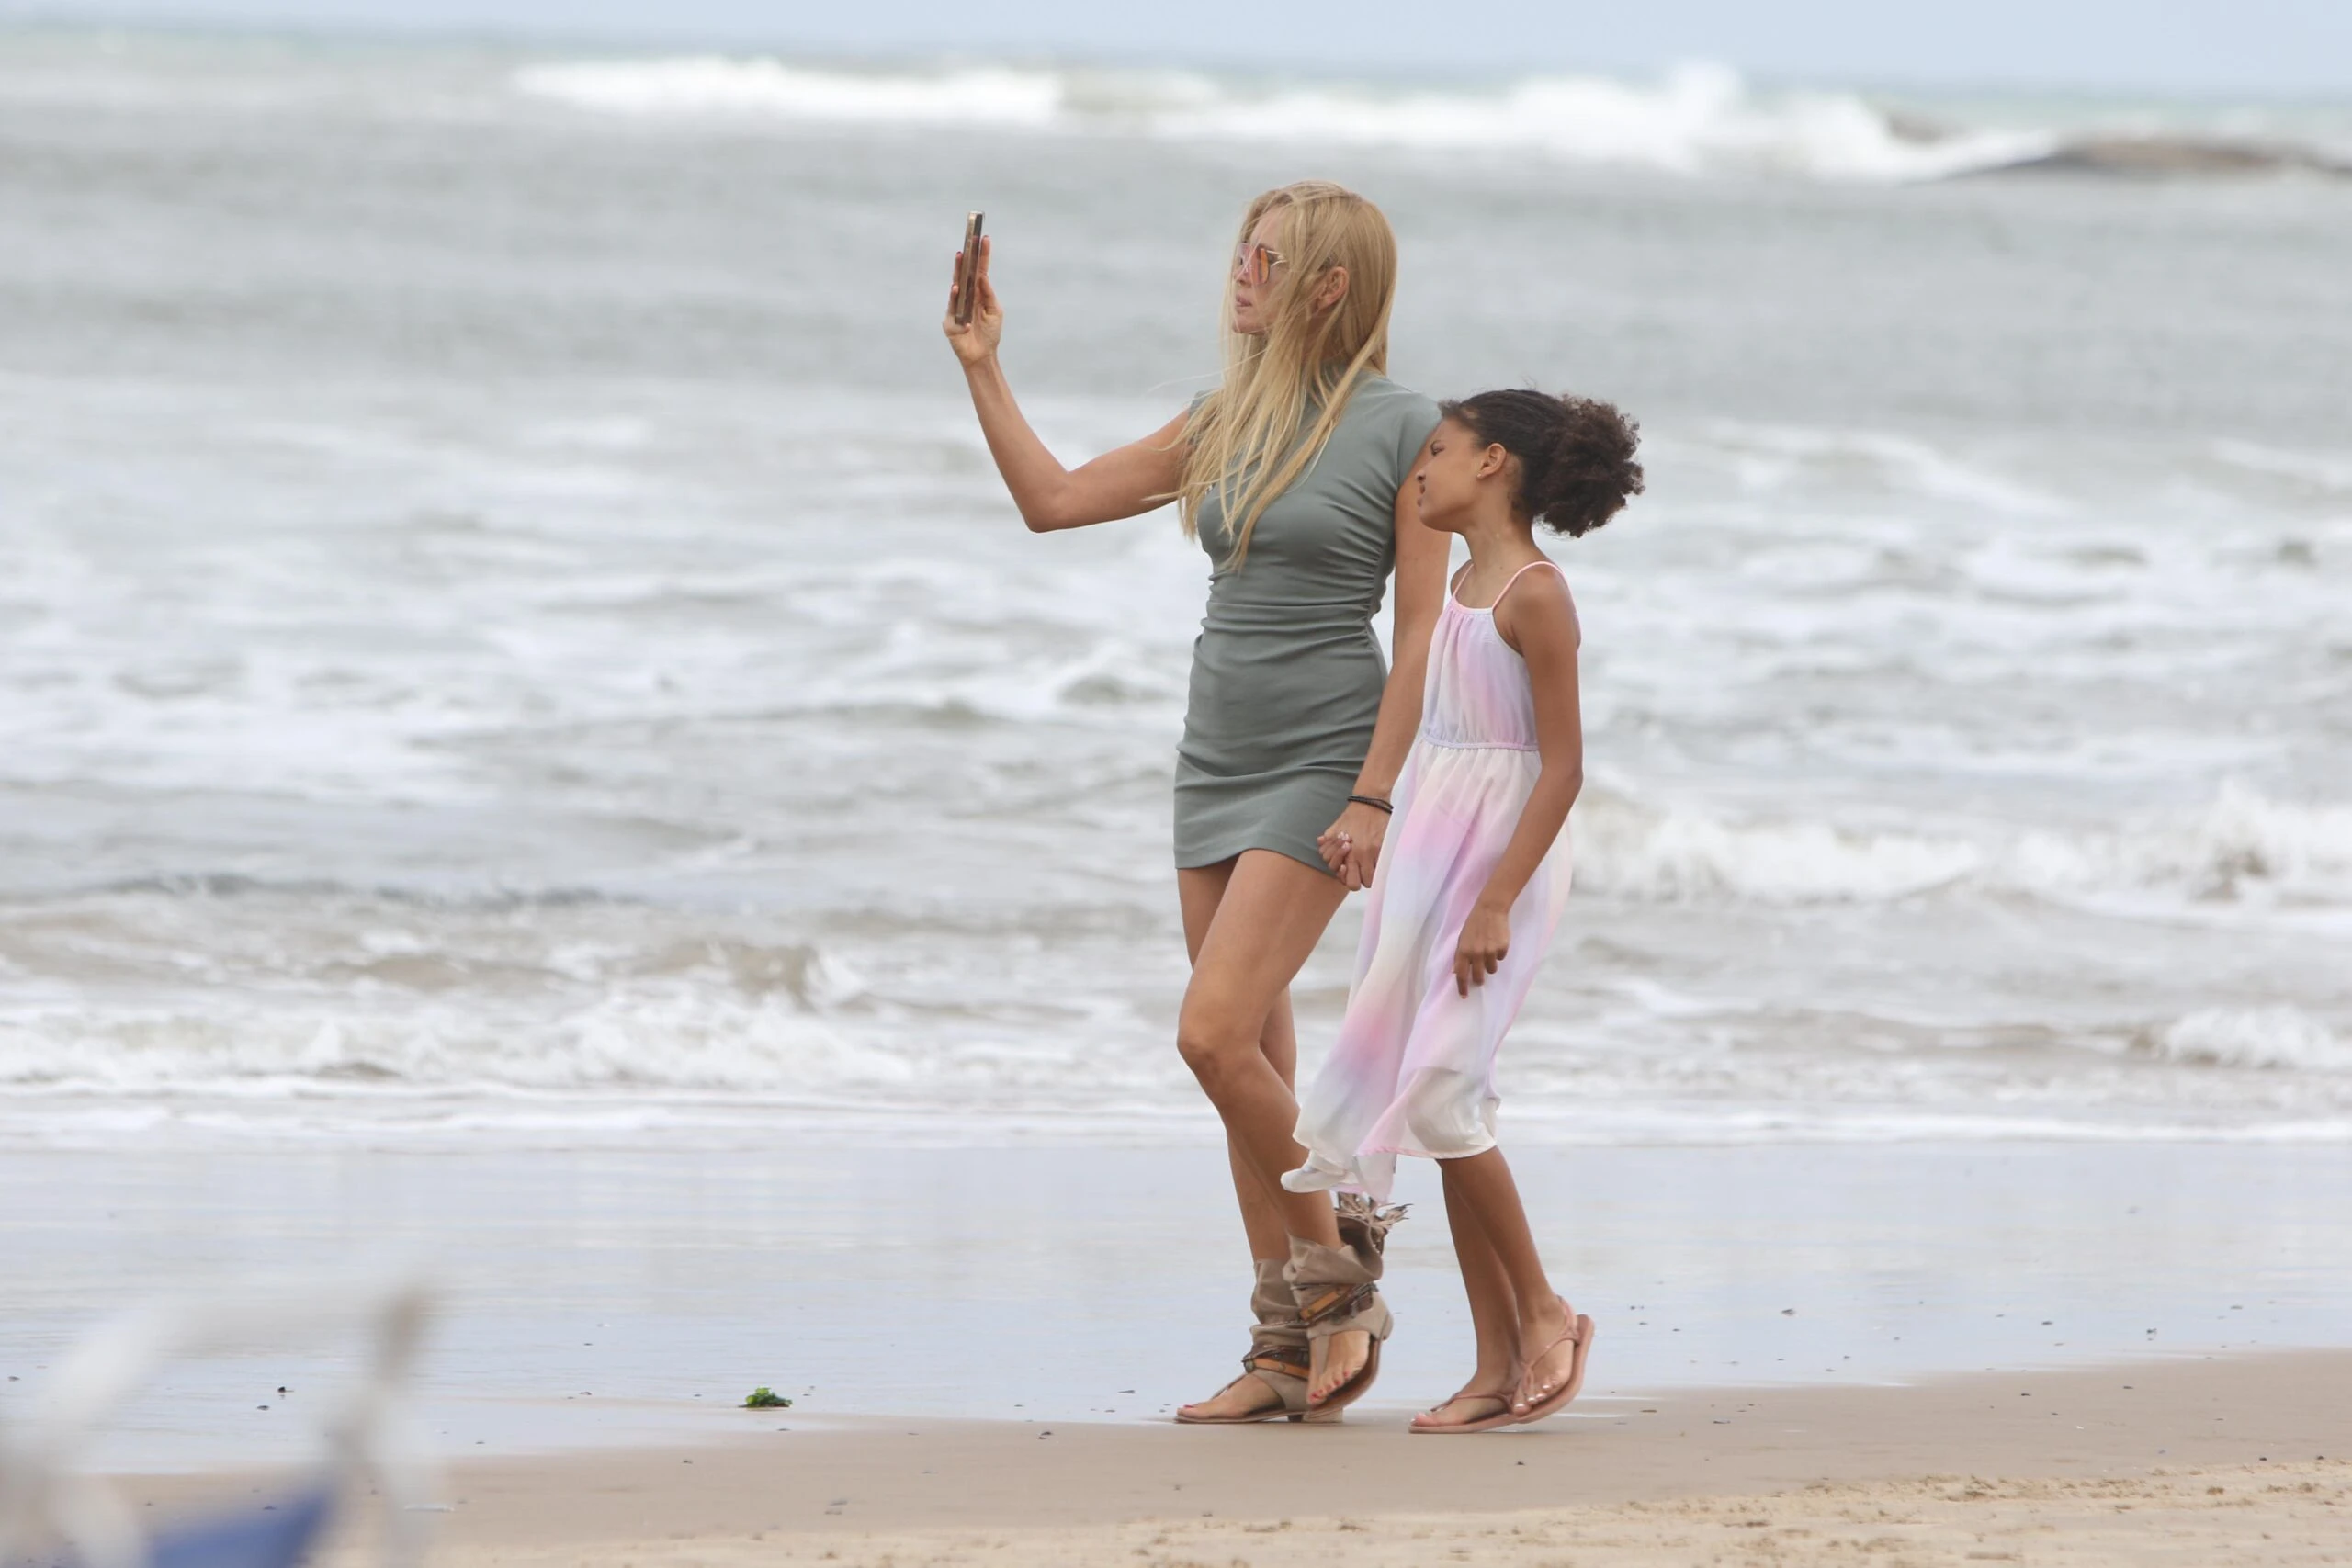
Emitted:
<point x="508" y="631"/>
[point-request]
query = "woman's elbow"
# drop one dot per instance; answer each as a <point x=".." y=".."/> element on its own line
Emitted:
<point x="1049" y="512"/>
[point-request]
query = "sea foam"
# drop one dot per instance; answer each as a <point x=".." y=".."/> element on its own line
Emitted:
<point x="1699" y="119"/>
<point x="709" y="84"/>
<point x="2278" y="1036"/>
<point x="2242" y="843"/>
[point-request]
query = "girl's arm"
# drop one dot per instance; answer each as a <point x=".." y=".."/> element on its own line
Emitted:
<point x="1540" y="620"/>
<point x="1129" y="480"/>
<point x="1350" y="846"/>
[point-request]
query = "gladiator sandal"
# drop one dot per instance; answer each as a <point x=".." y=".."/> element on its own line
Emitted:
<point x="1338" y="1292"/>
<point x="1278" y="1356"/>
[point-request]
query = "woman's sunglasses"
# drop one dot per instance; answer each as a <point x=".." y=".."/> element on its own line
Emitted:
<point x="1253" y="265"/>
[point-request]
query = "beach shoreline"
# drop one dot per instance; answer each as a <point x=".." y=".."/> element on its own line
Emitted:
<point x="624" y="1300"/>
<point x="2196" y="1459"/>
<point x="544" y="765"/>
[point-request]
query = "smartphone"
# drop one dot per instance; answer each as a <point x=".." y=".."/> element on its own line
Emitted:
<point x="966" y="275"/>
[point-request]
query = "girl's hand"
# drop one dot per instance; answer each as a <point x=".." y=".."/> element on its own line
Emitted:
<point x="976" y="340"/>
<point x="1486" y="943"/>
<point x="1350" y="846"/>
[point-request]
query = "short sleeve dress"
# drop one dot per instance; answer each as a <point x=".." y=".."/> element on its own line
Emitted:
<point x="1286" y="672"/>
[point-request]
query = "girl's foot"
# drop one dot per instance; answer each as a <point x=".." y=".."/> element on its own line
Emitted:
<point x="1555" y="1367"/>
<point x="1470" y="1411"/>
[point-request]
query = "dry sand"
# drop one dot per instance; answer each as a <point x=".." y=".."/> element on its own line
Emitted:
<point x="2206" y="1461"/>
<point x="2205" y="1517"/>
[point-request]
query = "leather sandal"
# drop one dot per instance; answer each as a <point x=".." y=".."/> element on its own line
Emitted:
<point x="1338" y="1291"/>
<point x="1278" y="1357"/>
<point x="1278" y="1367"/>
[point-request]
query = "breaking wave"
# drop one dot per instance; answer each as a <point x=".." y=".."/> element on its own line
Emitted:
<point x="670" y="1042"/>
<point x="2285" y="1037"/>
<point x="2241" y="845"/>
<point x="1697" y="119"/>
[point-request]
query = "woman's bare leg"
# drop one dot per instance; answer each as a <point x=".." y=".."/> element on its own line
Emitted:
<point x="1198" y="891"/>
<point x="1482" y="1183"/>
<point x="1279" y="1041"/>
<point x="1273" y="913"/>
<point x="1494" y="1315"/>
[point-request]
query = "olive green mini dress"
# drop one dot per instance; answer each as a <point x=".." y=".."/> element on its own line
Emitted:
<point x="1286" y="671"/>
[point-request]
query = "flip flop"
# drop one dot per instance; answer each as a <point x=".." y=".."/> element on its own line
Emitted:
<point x="1483" y="1424"/>
<point x="1579" y="1334"/>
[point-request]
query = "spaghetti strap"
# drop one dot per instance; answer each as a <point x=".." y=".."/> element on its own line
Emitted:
<point x="1413" y="1068"/>
<point x="1523" y="571"/>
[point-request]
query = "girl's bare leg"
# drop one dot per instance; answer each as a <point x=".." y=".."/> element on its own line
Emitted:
<point x="1199" y="891"/>
<point x="1482" y="1183"/>
<point x="1494" y="1315"/>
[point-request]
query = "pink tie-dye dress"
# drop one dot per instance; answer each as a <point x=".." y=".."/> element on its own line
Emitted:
<point x="1413" y="1070"/>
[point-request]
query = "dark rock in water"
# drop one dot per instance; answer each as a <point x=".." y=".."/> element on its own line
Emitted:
<point x="1914" y="128"/>
<point x="2183" y="155"/>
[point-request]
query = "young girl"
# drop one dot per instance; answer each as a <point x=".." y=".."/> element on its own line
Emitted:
<point x="1473" y="879"/>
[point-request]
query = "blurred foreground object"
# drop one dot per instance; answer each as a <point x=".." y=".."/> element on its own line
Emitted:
<point x="50" y="1507"/>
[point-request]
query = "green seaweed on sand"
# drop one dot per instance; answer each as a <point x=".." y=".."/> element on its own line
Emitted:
<point x="765" y="1398"/>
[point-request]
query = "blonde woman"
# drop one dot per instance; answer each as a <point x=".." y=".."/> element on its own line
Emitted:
<point x="1292" y="475"/>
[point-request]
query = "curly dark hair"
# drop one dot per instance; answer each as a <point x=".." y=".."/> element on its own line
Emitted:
<point x="1575" y="455"/>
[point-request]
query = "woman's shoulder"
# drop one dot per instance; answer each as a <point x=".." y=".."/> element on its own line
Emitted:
<point x="1396" y="419"/>
<point x="1378" y="394"/>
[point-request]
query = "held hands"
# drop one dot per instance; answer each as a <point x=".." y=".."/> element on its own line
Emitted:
<point x="1486" y="943"/>
<point x="977" y="342"/>
<point x="1350" y="846"/>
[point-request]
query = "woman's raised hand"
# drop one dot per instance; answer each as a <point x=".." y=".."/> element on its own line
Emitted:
<point x="976" y="340"/>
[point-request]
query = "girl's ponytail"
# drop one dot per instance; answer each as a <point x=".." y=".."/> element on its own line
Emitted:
<point x="1575" y="455"/>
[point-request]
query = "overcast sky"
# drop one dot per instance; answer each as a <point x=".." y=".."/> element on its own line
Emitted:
<point x="2300" y="47"/>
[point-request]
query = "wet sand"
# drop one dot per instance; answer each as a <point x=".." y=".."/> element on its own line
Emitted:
<point x="1915" y="1354"/>
<point x="2204" y="1461"/>
<point x="627" y="1297"/>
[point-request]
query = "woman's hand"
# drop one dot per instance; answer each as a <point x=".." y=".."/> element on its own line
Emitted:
<point x="1486" y="943"/>
<point x="975" y="342"/>
<point x="1350" y="846"/>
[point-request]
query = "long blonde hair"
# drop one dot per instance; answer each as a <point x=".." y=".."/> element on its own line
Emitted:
<point x="1235" y="436"/>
